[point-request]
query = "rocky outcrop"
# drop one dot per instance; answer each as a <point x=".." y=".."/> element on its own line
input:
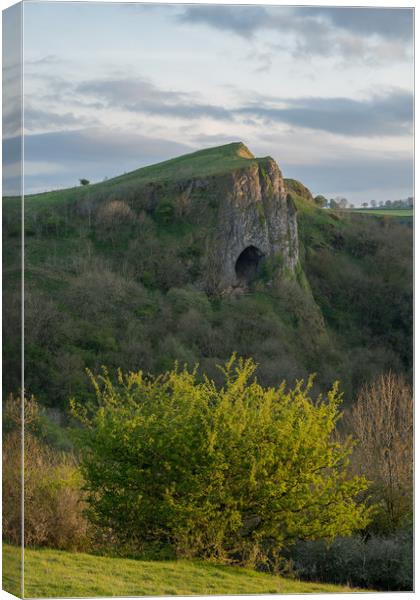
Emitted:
<point x="238" y="211"/>
<point x="256" y="224"/>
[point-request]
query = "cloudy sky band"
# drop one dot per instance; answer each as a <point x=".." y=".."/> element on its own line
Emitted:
<point x="317" y="88"/>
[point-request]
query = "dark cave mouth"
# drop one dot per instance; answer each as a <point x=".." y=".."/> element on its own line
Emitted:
<point x="248" y="264"/>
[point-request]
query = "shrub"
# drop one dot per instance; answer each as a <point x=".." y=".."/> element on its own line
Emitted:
<point x="175" y="460"/>
<point x="115" y="213"/>
<point x="183" y="299"/>
<point x="53" y="508"/>
<point x="164" y="212"/>
<point x="111" y="217"/>
<point x="384" y="563"/>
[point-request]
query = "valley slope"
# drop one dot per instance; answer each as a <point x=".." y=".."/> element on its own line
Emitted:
<point x="141" y="270"/>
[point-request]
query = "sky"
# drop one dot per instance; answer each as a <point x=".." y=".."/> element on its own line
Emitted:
<point x="327" y="92"/>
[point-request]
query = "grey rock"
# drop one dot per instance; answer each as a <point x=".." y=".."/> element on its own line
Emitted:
<point x="256" y="221"/>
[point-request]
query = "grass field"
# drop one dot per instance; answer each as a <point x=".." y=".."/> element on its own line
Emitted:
<point x="385" y="213"/>
<point x="51" y="573"/>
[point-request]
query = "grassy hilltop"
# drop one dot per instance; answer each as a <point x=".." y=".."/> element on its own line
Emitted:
<point x="204" y="163"/>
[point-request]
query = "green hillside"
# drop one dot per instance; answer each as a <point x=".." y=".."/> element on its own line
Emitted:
<point x="113" y="275"/>
<point x="58" y="574"/>
<point x="204" y="163"/>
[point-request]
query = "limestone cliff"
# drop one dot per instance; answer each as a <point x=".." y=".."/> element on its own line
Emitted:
<point x="231" y="210"/>
<point x="256" y="222"/>
<point x="241" y="207"/>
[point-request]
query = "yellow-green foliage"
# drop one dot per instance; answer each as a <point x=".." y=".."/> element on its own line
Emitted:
<point x="294" y="186"/>
<point x="57" y="574"/>
<point x="233" y="473"/>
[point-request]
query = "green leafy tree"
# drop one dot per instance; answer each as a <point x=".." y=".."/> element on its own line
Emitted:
<point x="321" y="201"/>
<point x="233" y="473"/>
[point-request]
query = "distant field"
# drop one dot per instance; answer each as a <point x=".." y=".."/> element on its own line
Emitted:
<point x="51" y="573"/>
<point x="385" y="213"/>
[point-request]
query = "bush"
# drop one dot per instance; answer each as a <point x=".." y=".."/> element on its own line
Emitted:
<point x="384" y="563"/>
<point x="114" y="214"/>
<point x="176" y="461"/>
<point x="183" y="299"/>
<point x="53" y="514"/>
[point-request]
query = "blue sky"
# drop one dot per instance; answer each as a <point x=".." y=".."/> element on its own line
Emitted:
<point x="326" y="91"/>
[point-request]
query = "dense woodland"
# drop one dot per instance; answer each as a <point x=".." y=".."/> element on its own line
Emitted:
<point x="111" y="281"/>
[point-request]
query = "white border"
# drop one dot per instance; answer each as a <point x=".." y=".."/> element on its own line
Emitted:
<point x="360" y="3"/>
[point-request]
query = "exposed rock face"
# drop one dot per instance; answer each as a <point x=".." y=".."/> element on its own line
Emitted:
<point x="243" y="220"/>
<point x="256" y="222"/>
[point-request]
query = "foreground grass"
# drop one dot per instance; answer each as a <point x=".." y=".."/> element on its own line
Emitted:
<point x="52" y="573"/>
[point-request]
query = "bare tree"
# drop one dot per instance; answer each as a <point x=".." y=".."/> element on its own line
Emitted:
<point x="341" y="202"/>
<point x="382" y="421"/>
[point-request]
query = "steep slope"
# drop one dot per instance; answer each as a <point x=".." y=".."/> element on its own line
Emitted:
<point x="238" y="201"/>
<point x="193" y="259"/>
<point x="360" y="271"/>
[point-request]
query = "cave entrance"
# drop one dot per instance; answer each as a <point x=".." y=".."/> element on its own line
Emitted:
<point x="247" y="264"/>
